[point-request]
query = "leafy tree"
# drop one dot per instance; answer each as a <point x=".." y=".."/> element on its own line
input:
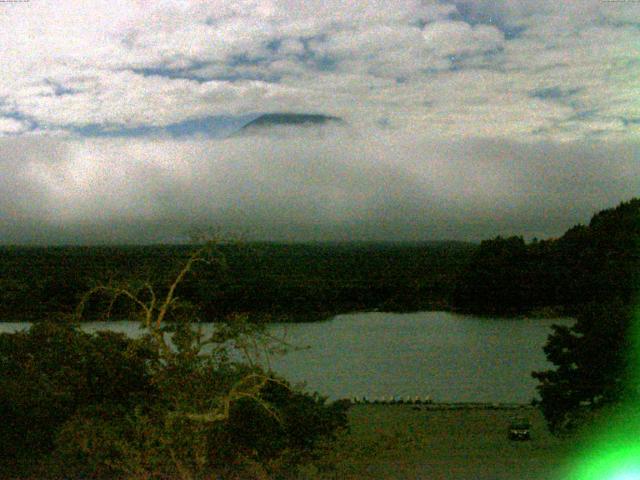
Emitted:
<point x="494" y="279"/>
<point x="596" y="361"/>
<point x="595" y="365"/>
<point x="596" y="262"/>
<point x="172" y="404"/>
<point x="50" y="372"/>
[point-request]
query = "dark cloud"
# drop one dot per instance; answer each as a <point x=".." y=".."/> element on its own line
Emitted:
<point x="475" y="13"/>
<point x="553" y="93"/>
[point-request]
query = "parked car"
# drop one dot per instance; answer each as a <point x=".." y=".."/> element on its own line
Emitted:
<point x="520" y="429"/>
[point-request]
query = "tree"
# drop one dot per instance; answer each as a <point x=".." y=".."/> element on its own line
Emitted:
<point x="594" y="360"/>
<point x="172" y="404"/>
<point x="599" y="262"/>
<point x="493" y="282"/>
<point x="54" y="370"/>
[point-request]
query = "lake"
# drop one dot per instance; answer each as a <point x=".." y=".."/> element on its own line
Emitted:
<point x="446" y="356"/>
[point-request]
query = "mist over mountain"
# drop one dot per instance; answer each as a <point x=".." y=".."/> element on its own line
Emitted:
<point x="314" y="121"/>
<point x="351" y="183"/>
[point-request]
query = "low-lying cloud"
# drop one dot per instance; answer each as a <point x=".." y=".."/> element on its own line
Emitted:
<point x="305" y="185"/>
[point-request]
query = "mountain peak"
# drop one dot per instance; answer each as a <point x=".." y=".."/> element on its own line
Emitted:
<point x="280" y="119"/>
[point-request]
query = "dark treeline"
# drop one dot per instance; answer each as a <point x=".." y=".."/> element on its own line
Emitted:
<point x="283" y="281"/>
<point x="598" y="262"/>
<point x="297" y="282"/>
<point x="593" y="272"/>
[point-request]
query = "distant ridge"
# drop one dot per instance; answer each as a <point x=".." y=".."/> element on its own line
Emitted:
<point x="268" y="120"/>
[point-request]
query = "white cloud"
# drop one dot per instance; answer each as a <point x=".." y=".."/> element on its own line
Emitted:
<point x="87" y="48"/>
<point x="129" y="99"/>
<point x="455" y="38"/>
<point x="330" y="56"/>
<point x="12" y="126"/>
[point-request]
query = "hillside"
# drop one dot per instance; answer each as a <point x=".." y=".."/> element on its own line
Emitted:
<point x="598" y="262"/>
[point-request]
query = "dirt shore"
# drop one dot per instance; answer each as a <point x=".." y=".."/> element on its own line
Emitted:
<point x="448" y="442"/>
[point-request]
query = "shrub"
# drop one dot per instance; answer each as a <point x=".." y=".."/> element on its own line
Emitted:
<point x="107" y="406"/>
<point x="51" y="371"/>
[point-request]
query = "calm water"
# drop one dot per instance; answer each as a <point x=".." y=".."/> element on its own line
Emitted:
<point x="449" y="357"/>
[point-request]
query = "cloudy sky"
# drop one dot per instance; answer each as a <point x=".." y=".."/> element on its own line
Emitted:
<point x="464" y="119"/>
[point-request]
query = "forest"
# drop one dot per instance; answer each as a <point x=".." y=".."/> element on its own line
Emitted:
<point x="598" y="262"/>
<point x="503" y="276"/>
<point x="277" y="282"/>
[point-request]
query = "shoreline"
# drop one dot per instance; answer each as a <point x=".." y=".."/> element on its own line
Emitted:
<point x="435" y="406"/>
<point x="547" y="313"/>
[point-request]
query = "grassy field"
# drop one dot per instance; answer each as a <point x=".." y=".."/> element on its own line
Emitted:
<point x="401" y="442"/>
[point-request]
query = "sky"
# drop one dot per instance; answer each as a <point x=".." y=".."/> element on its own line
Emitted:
<point x="463" y="119"/>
